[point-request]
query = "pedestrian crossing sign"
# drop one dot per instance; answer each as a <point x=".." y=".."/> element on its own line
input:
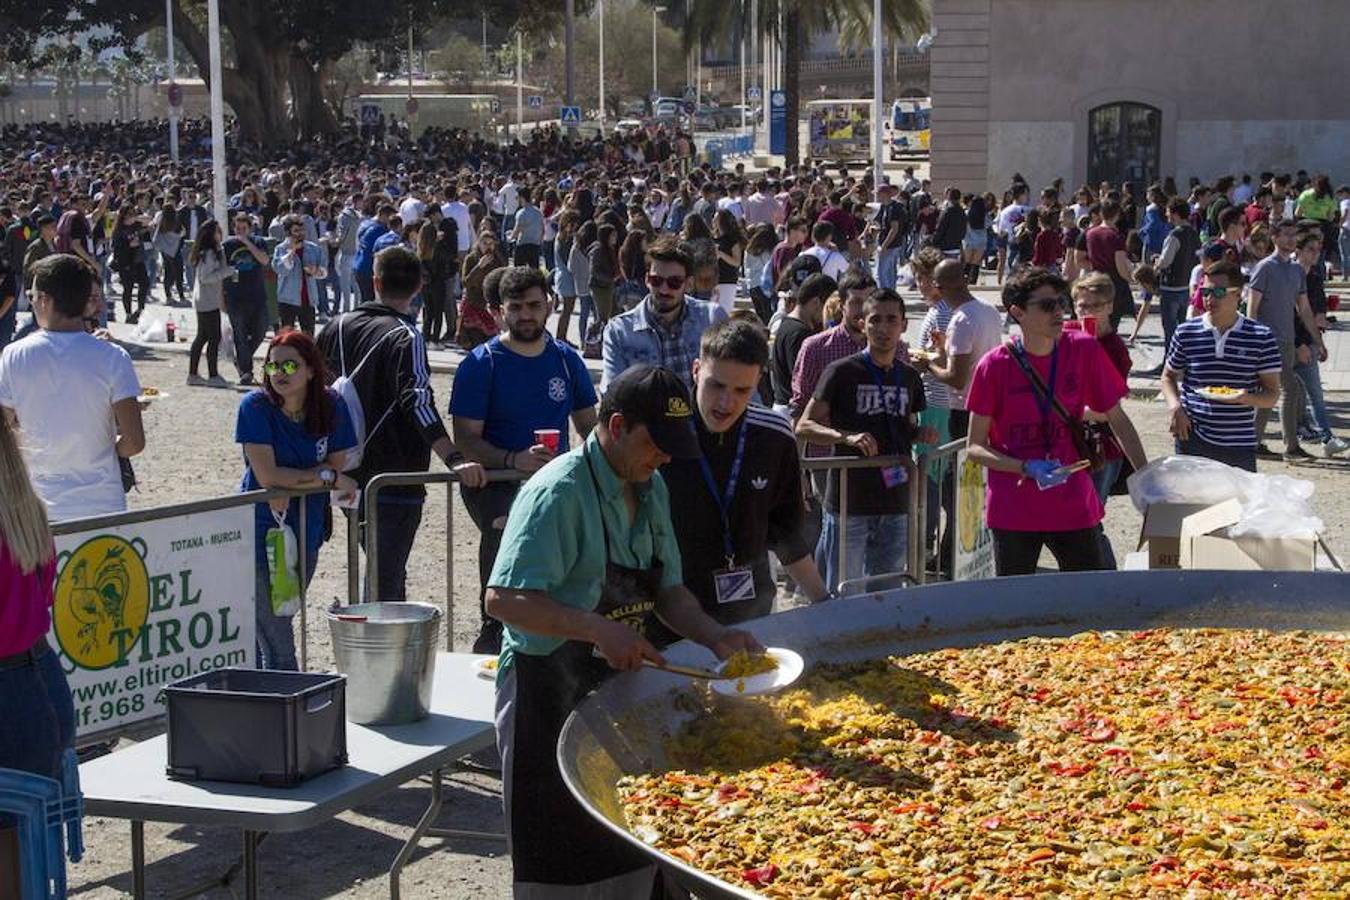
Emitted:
<point x="571" y="115"/>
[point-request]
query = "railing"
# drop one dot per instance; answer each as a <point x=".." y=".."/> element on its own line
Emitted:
<point x="937" y="458"/>
<point x="374" y="487"/>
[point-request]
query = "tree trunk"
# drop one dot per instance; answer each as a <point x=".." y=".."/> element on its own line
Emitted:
<point x="792" y="52"/>
<point x="312" y="114"/>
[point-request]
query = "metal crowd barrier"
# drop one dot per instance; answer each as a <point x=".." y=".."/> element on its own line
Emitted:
<point x="936" y="459"/>
<point x="371" y="526"/>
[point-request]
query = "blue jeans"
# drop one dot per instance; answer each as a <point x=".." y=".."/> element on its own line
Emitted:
<point x="1308" y="373"/>
<point x="587" y="306"/>
<point x="276" y="636"/>
<point x="39" y="717"/>
<point x="1102" y="480"/>
<point x="876" y="545"/>
<point x="887" y="260"/>
<point x="1172" y="304"/>
<point x="1343" y="244"/>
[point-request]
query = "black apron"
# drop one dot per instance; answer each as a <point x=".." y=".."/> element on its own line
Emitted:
<point x="554" y="840"/>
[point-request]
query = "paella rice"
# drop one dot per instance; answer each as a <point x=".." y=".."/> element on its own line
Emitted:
<point x="1198" y="763"/>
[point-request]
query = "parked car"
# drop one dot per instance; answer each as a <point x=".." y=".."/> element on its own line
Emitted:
<point x="627" y="126"/>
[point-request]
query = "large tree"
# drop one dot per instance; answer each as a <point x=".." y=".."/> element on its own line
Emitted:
<point x="274" y="51"/>
<point x="852" y="19"/>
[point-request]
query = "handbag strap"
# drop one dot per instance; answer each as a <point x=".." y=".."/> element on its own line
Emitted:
<point x="1019" y="354"/>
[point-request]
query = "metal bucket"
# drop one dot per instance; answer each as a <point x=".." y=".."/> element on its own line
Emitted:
<point x="388" y="653"/>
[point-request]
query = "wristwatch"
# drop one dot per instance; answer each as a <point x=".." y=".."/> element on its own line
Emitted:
<point x="328" y="476"/>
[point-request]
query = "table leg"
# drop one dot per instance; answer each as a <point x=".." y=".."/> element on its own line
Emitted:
<point x="406" y="851"/>
<point x="250" y="865"/>
<point x="138" y="859"/>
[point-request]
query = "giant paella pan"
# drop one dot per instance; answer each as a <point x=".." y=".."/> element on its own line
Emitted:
<point x="1094" y="734"/>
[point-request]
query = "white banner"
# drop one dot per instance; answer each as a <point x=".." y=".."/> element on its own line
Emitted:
<point x="974" y="540"/>
<point x="141" y="606"/>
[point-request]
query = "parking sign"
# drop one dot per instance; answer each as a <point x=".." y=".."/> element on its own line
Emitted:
<point x="535" y="101"/>
<point x="570" y="115"/>
<point x="754" y="93"/>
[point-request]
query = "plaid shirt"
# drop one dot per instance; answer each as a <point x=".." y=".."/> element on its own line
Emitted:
<point x="816" y="354"/>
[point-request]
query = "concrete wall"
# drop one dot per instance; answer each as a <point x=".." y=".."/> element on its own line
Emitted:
<point x="1013" y="82"/>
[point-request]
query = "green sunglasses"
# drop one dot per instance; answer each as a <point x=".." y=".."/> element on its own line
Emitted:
<point x="287" y="367"/>
<point x="1214" y="293"/>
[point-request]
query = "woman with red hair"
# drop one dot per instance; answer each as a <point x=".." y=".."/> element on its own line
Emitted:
<point x="295" y="432"/>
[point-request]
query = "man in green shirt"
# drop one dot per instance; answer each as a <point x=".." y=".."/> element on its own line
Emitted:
<point x="587" y="556"/>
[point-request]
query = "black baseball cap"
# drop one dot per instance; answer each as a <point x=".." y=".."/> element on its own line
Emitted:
<point x="655" y="397"/>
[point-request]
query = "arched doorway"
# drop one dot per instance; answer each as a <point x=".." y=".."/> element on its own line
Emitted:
<point x="1124" y="143"/>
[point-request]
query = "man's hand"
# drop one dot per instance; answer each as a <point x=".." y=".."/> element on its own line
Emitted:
<point x="471" y="474"/>
<point x="345" y="488"/>
<point x="1321" y="351"/>
<point x="730" y="640"/>
<point x="622" y="647"/>
<point x="1180" y="426"/>
<point x="863" y="442"/>
<point x="533" y="459"/>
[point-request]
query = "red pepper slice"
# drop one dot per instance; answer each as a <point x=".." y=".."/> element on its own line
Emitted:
<point x="761" y="877"/>
<point x="862" y="827"/>
<point x="1164" y="864"/>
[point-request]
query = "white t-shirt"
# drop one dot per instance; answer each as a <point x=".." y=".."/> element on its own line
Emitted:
<point x="1009" y="217"/>
<point x="463" y="222"/>
<point x="62" y="385"/>
<point x="975" y="328"/>
<point x="411" y="210"/>
<point x="1345" y="218"/>
<point x="832" y="262"/>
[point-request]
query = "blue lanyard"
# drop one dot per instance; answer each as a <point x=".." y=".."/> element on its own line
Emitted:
<point x="1045" y="404"/>
<point x="723" y="500"/>
<point x="881" y="395"/>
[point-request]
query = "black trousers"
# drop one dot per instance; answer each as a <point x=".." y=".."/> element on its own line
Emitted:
<point x="398" y="529"/>
<point x="365" y="285"/>
<point x="1017" y="552"/>
<point x="135" y="276"/>
<point x="248" y="318"/>
<point x="486" y="505"/>
<point x="293" y="315"/>
<point x="526" y="255"/>
<point x="208" y="336"/>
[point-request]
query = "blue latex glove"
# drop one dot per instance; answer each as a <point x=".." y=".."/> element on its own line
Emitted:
<point x="1046" y="474"/>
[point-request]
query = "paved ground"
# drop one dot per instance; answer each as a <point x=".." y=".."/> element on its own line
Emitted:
<point x="190" y="455"/>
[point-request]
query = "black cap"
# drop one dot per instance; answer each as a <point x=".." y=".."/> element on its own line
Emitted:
<point x="655" y="397"/>
<point x="45" y="219"/>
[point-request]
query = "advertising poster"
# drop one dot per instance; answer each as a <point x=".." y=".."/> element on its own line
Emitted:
<point x="974" y="540"/>
<point x="141" y="606"/>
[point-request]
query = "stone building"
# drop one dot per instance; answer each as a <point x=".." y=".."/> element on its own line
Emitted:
<point x="1116" y="90"/>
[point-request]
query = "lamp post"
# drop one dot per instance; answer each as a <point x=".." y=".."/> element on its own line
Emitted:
<point x="600" y="6"/>
<point x="173" y="110"/>
<point x="656" y="10"/>
<point x="218" y="196"/>
<point x="878" y="60"/>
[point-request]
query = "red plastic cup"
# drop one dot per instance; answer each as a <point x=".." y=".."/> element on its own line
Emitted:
<point x="549" y="437"/>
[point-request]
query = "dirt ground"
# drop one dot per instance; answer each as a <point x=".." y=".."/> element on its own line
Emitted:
<point x="191" y="455"/>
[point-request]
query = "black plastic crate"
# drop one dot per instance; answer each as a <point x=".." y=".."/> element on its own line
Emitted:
<point x="256" y="726"/>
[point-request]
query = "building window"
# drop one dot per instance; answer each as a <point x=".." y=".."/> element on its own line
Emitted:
<point x="1123" y="143"/>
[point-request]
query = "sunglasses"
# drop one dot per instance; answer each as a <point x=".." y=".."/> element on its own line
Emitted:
<point x="285" y="367"/>
<point x="1214" y="293"/>
<point x="674" y="282"/>
<point x="1049" y="304"/>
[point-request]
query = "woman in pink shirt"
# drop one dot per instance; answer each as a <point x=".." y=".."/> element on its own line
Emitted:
<point x="1034" y="500"/>
<point x="37" y="717"/>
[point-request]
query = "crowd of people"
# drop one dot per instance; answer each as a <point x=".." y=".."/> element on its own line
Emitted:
<point x="740" y="321"/>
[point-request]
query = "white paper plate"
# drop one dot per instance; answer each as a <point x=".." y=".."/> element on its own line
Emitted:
<point x="789" y="669"/>
<point x="486" y="668"/>
<point x="147" y="398"/>
<point x="1208" y="394"/>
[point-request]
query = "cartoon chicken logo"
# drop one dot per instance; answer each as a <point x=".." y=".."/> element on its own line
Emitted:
<point x="102" y="600"/>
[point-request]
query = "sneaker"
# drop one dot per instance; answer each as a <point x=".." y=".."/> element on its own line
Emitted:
<point x="196" y="381"/>
<point x="1335" y="446"/>
<point x="1264" y="452"/>
<point x="1298" y="454"/>
<point x="216" y="381"/>
<point x="246" y="379"/>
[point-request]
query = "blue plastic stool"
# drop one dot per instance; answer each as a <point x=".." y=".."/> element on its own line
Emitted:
<point x="41" y="806"/>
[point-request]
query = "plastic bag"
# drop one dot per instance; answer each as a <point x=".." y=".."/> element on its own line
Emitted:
<point x="1272" y="505"/>
<point x="151" y="331"/>
<point x="283" y="560"/>
<point x="227" y="339"/>
<point x="905" y="277"/>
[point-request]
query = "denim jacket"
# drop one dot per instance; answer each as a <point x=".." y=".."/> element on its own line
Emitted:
<point x="289" y="272"/>
<point x="631" y="339"/>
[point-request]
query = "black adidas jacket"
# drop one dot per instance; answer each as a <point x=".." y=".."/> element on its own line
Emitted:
<point x="395" y="390"/>
<point x="766" y="512"/>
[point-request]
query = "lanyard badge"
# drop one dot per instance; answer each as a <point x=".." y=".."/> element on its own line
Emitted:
<point x="733" y="583"/>
<point x="891" y="476"/>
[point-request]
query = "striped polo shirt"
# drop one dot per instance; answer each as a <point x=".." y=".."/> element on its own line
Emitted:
<point x="1232" y="359"/>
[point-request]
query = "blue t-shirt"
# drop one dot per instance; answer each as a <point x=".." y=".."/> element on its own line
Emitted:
<point x="512" y="395"/>
<point x="261" y="421"/>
